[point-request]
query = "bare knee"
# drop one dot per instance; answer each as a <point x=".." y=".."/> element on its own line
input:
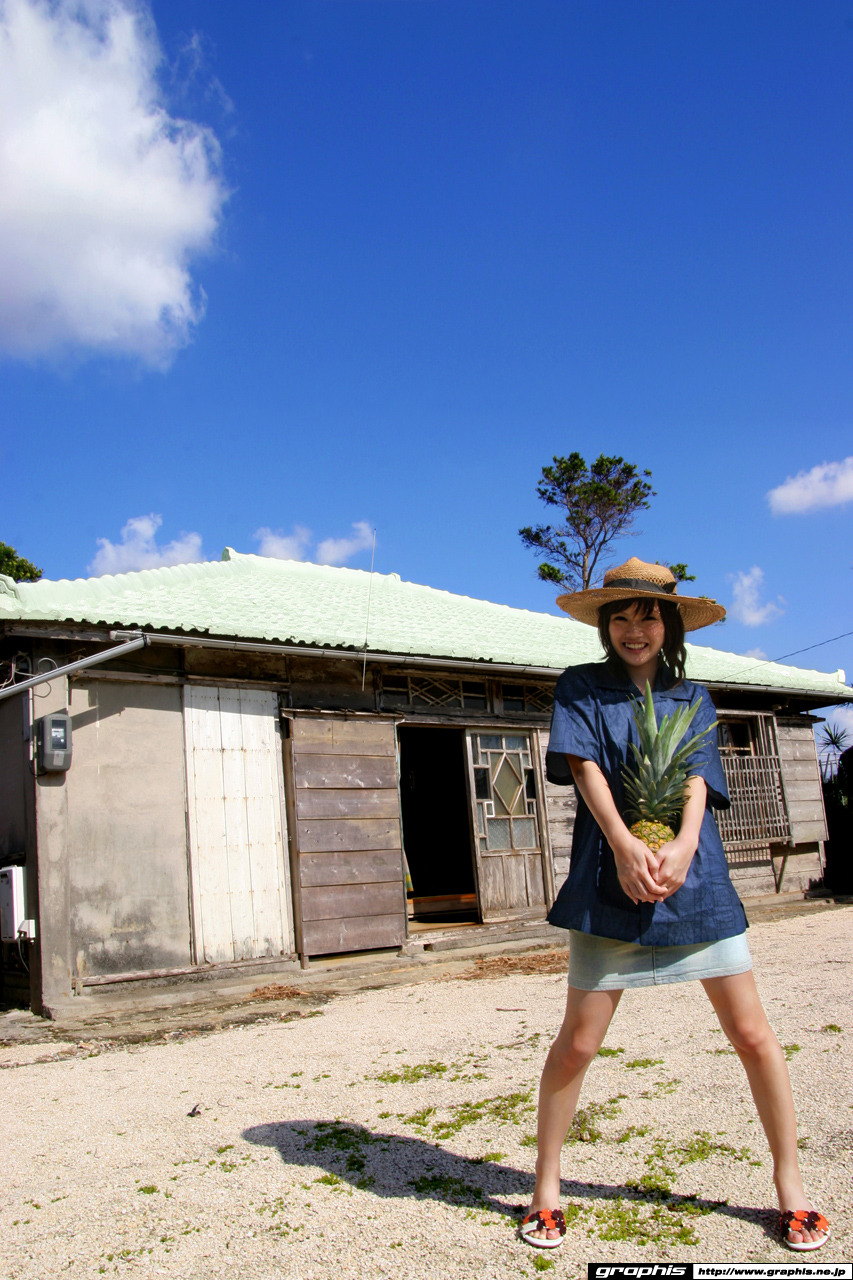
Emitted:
<point x="751" y="1036"/>
<point x="574" y="1052"/>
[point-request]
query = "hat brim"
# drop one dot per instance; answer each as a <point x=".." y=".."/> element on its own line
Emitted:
<point x="695" y="611"/>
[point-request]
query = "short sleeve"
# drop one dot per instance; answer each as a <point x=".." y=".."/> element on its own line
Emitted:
<point x="705" y="761"/>
<point x="574" y="730"/>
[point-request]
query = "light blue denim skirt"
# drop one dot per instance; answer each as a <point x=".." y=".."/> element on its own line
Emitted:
<point x="606" y="964"/>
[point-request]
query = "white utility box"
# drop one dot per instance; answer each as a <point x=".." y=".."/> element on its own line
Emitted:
<point x="12" y="908"/>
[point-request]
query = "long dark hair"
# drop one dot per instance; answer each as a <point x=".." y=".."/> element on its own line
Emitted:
<point x="674" y="653"/>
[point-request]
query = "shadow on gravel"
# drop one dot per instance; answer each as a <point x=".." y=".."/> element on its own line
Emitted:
<point x="400" y="1167"/>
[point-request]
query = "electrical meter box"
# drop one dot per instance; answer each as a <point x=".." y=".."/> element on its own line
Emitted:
<point x="11" y="902"/>
<point x="53" y="742"/>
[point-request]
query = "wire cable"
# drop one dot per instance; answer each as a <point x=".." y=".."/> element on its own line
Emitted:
<point x="766" y="662"/>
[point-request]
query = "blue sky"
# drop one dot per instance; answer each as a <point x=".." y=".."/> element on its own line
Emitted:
<point x="275" y="275"/>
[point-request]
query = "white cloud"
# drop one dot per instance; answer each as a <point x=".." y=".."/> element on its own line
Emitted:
<point x="827" y="485"/>
<point x="755" y="653"/>
<point x="282" y="546"/>
<point x="339" y="550"/>
<point x="138" y="548"/>
<point x="746" y="606"/>
<point x="296" y="545"/>
<point x="841" y="718"/>
<point x="104" y="197"/>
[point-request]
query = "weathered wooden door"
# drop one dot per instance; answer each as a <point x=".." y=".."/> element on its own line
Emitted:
<point x="506" y="825"/>
<point x="348" y="846"/>
<point x="240" y="884"/>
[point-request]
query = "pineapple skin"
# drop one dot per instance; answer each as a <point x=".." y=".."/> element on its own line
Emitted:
<point x="653" y="834"/>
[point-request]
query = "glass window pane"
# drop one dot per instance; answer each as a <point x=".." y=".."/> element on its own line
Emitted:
<point x="512" y="702"/>
<point x="474" y="694"/>
<point x="481" y="784"/>
<point x="499" y="833"/>
<point x="507" y="784"/>
<point x="523" y="833"/>
<point x="530" y="784"/>
<point x="490" y="742"/>
<point x="481" y="821"/>
<point x="515" y="742"/>
<point x="499" y="806"/>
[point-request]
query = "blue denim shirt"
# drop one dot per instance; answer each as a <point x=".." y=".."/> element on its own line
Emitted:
<point x="593" y="718"/>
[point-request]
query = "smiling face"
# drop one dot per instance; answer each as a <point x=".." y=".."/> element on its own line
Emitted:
<point x="637" y="641"/>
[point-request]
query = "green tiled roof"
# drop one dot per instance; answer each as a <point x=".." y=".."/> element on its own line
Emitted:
<point x="293" y="602"/>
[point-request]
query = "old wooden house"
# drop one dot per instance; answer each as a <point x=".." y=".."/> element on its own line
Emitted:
<point x="266" y="761"/>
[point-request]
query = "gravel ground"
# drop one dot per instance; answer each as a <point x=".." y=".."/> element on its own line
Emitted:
<point x="389" y="1133"/>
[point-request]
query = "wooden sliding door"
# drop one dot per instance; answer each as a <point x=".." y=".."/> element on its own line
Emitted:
<point x="347" y="851"/>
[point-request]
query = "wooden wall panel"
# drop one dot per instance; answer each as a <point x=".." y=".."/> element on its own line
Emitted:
<point x="349" y="868"/>
<point x="328" y="937"/>
<point x="347" y="772"/>
<point x="801" y="779"/>
<point x="346" y="901"/>
<point x="327" y="835"/>
<point x="328" y="736"/>
<point x="320" y="803"/>
<point x="348" y="834"/>
<point x="560" y="808"/>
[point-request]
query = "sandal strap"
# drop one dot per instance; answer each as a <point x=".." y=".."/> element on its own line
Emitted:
<point x="803" y="1220"/>
<point x="547" y="1220"/>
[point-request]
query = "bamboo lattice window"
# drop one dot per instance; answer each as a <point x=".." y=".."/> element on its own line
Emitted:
<point x="758" y="816"/>
<point x="527" y="697"/>
<point x="440" y="692"/>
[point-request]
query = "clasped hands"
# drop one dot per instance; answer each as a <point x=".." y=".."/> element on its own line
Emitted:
<point x="652" y="877"/>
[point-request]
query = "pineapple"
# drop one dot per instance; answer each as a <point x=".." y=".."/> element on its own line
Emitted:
<point x="655" y="789"/>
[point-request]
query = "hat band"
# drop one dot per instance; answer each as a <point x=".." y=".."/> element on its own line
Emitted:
<point x="640" y="584"/>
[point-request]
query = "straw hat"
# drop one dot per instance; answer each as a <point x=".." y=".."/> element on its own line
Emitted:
<point x="636" y="580"/>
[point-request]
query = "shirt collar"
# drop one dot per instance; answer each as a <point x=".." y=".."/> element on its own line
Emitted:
<point x="614" y="679"/>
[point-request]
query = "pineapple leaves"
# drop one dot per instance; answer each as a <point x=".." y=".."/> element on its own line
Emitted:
<point x="654" y="788"/>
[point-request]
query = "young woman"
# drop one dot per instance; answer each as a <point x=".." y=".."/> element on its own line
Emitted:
<point x="639" y="918"/>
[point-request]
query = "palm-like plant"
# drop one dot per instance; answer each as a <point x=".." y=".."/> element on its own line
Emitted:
<point x="831" y="741"/>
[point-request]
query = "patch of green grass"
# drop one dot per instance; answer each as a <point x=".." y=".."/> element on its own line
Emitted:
<point x="665" y="1157"/>
<point x="660" y="1088"/>
<point x="411" y="1075"/>
<point x="330" y="1180"/>
<point x="541" y="1263"/>
<point x="453" y="1190"/>
<point x="346" y="1140"/>
<point x="420" y="1119"/>
<point x="609" y="1053"/>
<point x="148" y="1190"/>
<point x="633" y="1131"/>
<point x="220" y="1151"/>
<point x="489" y="1157"/>
<point x="720" y="1051"/>
<point x="509" y="1107"/>
<point x="529" y="1140"/>
<point x="789" y="1050"/>
<point x="832" y="1026"/>
<point x="660" y="1224"/>
<point x="584" y="1126"/>
<point x="644" y="1062"/>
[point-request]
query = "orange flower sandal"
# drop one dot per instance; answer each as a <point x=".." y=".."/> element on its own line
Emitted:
<point x="543" y="1220"/>
<point x="803" y="1220"/>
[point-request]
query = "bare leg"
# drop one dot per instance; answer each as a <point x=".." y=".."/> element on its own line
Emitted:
<point x="588" y="1015"/>
<point x="738" y="1006"/>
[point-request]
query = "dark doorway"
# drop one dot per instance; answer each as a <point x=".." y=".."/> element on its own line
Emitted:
<point x="437" y="824"/>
